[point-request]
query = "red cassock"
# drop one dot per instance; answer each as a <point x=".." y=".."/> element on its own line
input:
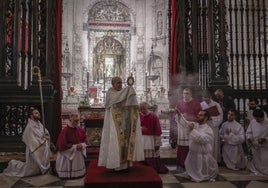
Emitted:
<point x="191" y="109"/>
<point x="70" y="136"/>
<point x="152" y="124"/>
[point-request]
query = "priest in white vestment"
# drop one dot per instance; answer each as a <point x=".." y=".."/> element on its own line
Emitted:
<point x="200" y="165"/>
<point x="37" y="154"/>
<point x="257" y="137"/>
<point x="121" y="141"/>
<point x="233" y="136"/>
<point x="216" y="114"/>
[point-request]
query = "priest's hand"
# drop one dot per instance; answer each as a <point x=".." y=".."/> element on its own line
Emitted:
<point x="261" y="140"/>
<point x="178" y="111"/>
<point x="144" y="129"/>
<point x="191" y="126"/>
<point x="46" y="136"/>
<point x="228" y="131"/>
<point x="79" y="147"/>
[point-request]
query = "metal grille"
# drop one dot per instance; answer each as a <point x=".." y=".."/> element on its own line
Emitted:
<point x="247" y="51"/>
<point x="225" y="43"/>
<point x="247" y="44"/>
<point x="13" y="119"/>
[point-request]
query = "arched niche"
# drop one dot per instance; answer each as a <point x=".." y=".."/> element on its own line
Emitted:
<point x="109" y="59"/>
<point x="155" y="68"/>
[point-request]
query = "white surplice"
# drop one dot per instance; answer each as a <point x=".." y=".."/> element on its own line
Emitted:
<point x="70" y="163"/>
<point x="259" y="163"/>
<point x="215" y="124"/>
<point x="37" y="152"/>
<point x="232" y="150"/>
<point x="200" y="165"/>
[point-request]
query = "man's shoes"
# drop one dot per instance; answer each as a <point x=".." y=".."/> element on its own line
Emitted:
<point x="183" y="175"/>
<point x="235" y="169"/>
<point x="180" y="169"/>
<point x="126" y="170"/>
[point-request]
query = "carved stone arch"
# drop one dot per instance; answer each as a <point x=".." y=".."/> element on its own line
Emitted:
<point x="126" y="6"/>
<point x="112" y="11"/>
<point x="108" y="49"/>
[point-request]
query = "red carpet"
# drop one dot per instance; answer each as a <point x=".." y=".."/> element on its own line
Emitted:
<point x="138" y="176"/>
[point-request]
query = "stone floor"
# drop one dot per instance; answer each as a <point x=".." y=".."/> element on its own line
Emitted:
<point x="226" y="178"/>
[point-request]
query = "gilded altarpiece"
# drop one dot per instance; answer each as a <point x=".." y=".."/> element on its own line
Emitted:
<point x="109" y="35"/>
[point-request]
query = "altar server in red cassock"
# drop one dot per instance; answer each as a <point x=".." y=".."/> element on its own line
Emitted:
<point x="71" y="146"/>
<point x="151" y="132"/>
<point x="188" y="108"/>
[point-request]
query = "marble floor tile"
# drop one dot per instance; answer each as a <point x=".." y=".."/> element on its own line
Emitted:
<point x="168" y="178"/>
<point x="223" y="169"/>
<point x="41" y="180"/>
<point x="75" y="182"/>
<point x="51" y="187"/>
<point x="172" y="185"/>
<point x="242" y="177"/>
<point x="223" y="184"/>
<point x="7" y="181"/>
<point x="257" y="184"/>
